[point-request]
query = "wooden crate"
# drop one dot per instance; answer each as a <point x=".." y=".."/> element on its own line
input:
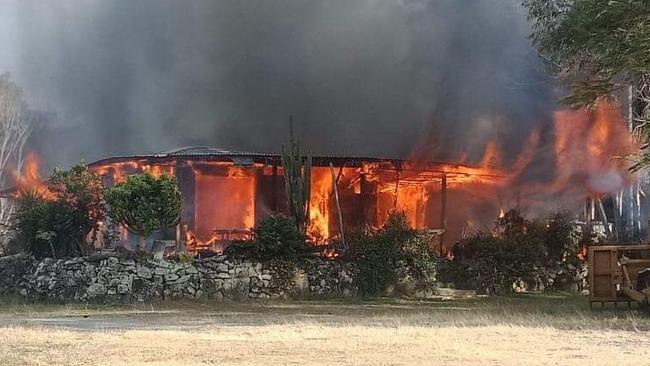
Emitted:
<point x="605" y="272"/>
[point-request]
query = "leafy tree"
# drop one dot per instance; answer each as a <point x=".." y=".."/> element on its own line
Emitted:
<point x="144" y="204"/>
<point x="17" y="121"/>
<point x="57" y="224"/>
<point x="598" y="47"/>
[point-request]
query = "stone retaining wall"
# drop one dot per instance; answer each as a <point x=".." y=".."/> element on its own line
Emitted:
<point x="111" y="278"/>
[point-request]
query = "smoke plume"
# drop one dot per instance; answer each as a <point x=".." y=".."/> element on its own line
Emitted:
<point x="382" y="77"/>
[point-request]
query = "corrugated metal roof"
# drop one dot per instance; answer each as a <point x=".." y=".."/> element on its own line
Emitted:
<point x="200" y="150"/>
<point x="206" y="151"/>
<point x="247" y="158"/>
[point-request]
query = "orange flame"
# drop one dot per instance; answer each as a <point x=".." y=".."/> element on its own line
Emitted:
<point x="29" y="180"/>
<point x="579" y="153"/>
<point x="586" y="152"/>
<point x="319" y="204"/>
<point x="224" y="201"/>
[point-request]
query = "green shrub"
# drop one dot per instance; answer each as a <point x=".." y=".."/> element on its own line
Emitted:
<point x="144" y="204"/>
<point x="421" y="259"/>
<point x="276" y="237"/>
<point x="57" y="225"/>
<point x="511" y="223"/>
<point x="514" y="251"/>
<point x="503" y="261"/>
<point x="186" y="258"/>
<point x="562" y="238"/>
<point x="380" y="255"/>
<point x="377" y="263"/>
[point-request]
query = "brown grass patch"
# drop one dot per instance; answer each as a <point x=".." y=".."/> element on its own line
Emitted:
<point x="506" y="331"/>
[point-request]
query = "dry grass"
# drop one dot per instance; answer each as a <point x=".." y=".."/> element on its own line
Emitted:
<point x="506" y="331"/>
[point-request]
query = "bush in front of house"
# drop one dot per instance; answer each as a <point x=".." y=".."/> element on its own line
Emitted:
<point x="396" y="246"/>
<point x="517" y="250"/>
<point x="276" y="237"/>
<point x="562" y="238"/>
<point x="278" y="243"/>
<point x="57" y="223"/>
<point x="504" y="261"/>
<point x="384" y="258"/>
<point x="144" y="204"/>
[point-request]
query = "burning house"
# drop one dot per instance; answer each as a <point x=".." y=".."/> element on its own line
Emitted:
<point x="226" y="193"/>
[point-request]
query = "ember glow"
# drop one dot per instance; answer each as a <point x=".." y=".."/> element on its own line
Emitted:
<point x="223" y="202"/>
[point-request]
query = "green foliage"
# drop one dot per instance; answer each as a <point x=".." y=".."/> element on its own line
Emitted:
<point x="562" y="239"/>
<point x="297" y="176"/>
<point x="502" y="261"/>
<point x="598" y="47"/>
<point x="276" y="237"/>
<point x="517" y="249"/>
<point x="144" y="204"/>
<point x="511" y="223"/>
<point x="57" y="225"/>
<point x="377" y="263"/>
<point x="186" y="258"/>
<point x="421" y="259"/>
<point x="380" y="255"/>
<point x="596" y="42"/>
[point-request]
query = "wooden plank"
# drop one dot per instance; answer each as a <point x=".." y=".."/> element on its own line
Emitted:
<point x="274" y="189"/>
<point x="602" y="264"/>
<point x="634" y="294"/>
<point x="187" y="185"/>
<point x="443" y="211"/>
<point x="338" y="206"/>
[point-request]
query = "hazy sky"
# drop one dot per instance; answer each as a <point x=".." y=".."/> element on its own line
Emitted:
<point x="360" y="77"/>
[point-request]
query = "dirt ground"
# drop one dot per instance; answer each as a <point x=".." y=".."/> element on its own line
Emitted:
<point x="531" y="330"/>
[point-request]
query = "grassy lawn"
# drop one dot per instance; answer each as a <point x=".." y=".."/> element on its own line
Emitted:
<point x="534" y="330"/>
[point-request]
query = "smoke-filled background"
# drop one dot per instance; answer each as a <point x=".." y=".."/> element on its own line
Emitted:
<point x="379" y="77"/>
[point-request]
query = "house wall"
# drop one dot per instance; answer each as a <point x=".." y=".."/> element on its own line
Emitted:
<point x="225" y="195"/>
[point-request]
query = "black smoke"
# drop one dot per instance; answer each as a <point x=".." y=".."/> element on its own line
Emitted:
<point x="379" y="77"/>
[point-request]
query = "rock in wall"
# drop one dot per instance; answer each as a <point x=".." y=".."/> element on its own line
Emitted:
<point x="113" y="278"/>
